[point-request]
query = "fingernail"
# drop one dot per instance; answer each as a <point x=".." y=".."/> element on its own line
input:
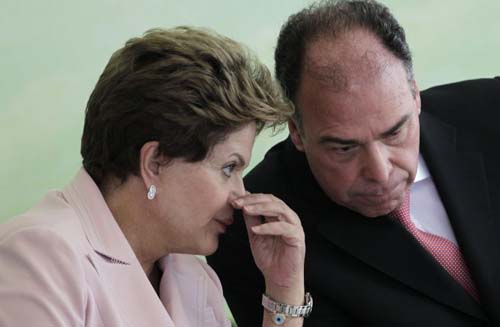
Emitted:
<point x="249" y="207"/>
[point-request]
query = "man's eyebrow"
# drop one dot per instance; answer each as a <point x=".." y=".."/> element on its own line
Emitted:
<point x="396" y="126"/>
<point x="334" y="139"/>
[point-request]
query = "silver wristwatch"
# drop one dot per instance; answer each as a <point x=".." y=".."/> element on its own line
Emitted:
<point x="282" y="311"/>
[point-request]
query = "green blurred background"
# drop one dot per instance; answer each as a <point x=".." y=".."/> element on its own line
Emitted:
<point x="53" y="51"/>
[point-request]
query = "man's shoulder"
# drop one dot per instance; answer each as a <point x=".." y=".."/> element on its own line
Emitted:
<point x="471" y="106"/>
<point x="269" y="175"/>
<point x="464" y="97"/>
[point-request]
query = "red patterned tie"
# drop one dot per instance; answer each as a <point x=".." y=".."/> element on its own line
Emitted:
<point x="443" y="250"/>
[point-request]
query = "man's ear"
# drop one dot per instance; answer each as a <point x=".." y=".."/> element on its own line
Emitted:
<point x="149" y="163"/>
<point x="416" y="95"/>
<point x="295" y="135"/>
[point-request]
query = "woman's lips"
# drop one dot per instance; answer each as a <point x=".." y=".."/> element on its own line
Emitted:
<point x="224" y="223"/>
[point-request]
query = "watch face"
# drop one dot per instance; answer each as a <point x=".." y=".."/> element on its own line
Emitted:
<point x="279" y="319"/>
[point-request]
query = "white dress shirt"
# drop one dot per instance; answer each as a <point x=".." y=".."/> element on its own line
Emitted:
<point x="426" y="208"/>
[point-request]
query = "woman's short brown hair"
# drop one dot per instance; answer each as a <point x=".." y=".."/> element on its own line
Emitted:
<point x="186" y="88"/>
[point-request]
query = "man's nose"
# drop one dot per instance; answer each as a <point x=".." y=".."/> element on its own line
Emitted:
<point x="377" y="166"/>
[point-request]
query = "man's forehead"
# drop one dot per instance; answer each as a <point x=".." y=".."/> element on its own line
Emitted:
<point x="353" y="58"/>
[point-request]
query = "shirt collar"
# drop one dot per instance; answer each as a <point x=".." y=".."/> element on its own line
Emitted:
<point x="422" y="170"/>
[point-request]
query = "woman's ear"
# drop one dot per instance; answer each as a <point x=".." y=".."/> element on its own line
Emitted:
<point x="149" y="163"/>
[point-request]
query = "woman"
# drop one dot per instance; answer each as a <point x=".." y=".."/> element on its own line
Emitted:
<point x="168" y="131"/>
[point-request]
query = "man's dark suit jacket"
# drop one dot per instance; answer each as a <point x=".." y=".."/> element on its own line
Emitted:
<point x="372" y="272"/>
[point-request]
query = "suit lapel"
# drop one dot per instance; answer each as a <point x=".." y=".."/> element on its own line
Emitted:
<point x="462" y="184"/>
<point x="386" y="246"/>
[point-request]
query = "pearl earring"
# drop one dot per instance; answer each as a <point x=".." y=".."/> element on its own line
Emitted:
<point x="151" y="192"/>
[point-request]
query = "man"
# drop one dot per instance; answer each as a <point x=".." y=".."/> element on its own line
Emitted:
<point x="365" y="146"/>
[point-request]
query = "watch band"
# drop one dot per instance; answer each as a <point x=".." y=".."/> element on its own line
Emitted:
<point x="282" y="311"/>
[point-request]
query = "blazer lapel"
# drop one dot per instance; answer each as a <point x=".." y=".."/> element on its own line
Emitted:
<point x="191" y="292"/>
<point x="118" y="269"/>
<point x="133" y="296"/>
<point x="461" y="181"/>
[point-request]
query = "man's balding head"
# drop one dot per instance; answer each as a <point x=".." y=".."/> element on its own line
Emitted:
<point x="333" y="21"/>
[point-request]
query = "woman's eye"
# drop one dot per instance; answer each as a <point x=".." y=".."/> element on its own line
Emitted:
<point x="227" y="170"/>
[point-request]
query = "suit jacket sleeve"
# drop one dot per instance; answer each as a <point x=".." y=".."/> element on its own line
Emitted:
<point x="41" y="283"/>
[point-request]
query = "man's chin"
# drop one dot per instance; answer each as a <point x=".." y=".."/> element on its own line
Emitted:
<point x="375" y="214"/>
<point x="378" y="209"/>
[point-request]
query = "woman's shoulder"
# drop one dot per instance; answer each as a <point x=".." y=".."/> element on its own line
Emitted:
<point x="51" y="221"/>
<point x="42" y="272"/>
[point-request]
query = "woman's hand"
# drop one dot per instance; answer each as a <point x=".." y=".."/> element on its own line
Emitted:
<point x="278" y="245"/>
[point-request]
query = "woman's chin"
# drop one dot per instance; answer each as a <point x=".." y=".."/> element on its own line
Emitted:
<point x="208" y="248"/>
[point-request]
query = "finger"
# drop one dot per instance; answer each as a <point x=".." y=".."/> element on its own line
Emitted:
<point x="288" y="231"/>
<point x="252" y="199"/>
<point x="276" y="209"/>
<point x="251" y="220"/>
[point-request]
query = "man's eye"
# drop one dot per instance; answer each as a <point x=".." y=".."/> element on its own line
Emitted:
<point x="394" y="133"/>
<point x="396" y="137"/>
<point x="345" y="149"/>
<point x="227" y="170"/>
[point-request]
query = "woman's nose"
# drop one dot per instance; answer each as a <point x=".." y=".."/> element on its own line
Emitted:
<point x="238" y="189"/>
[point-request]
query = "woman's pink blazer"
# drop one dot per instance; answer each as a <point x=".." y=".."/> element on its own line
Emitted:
<point x="67" y="263"/>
